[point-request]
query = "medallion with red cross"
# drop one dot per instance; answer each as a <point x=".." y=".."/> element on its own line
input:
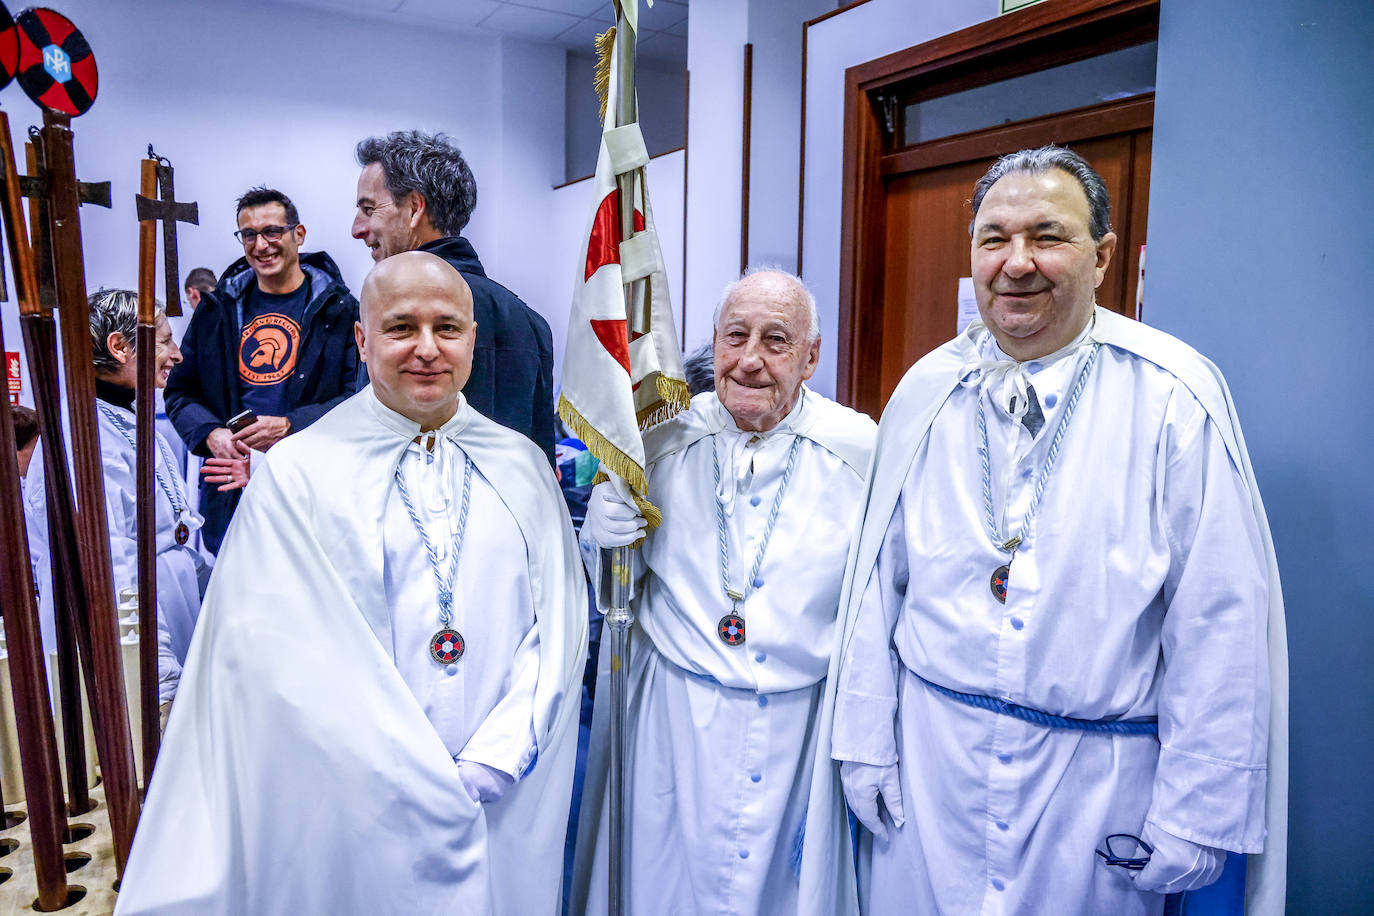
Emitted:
<point x="447" y="646"/>
<point x="731" y="630"/>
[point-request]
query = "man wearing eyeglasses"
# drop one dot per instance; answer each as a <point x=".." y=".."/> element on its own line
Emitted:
<point x="273" y="341"/>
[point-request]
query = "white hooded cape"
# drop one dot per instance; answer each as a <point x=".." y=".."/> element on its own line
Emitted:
<point x="828" y="878"/>
<point x="845" y="433"/>
<point x="299" y="774"/>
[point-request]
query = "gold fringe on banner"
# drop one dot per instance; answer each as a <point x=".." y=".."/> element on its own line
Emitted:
<point x="674" y="391"/>
<point x="674" y="397"/>
<point x="611" y="458"/>
<point x="605" y="43"/>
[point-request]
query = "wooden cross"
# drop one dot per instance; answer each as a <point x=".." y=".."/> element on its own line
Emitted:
<point x="167" y="208"/>
<point x="35" y="187"/>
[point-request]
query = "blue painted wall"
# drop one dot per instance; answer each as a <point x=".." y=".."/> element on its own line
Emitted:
<point x="1260" y="255"/>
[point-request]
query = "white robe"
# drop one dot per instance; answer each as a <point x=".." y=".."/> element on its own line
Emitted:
<point x="182" y="571"/>
<point x="301" y="772"/>
<point x="720" y="737"/>
<point x="1147" y="587"/>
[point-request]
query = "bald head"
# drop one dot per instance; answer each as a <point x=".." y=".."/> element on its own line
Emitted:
<point x="779" y="286"/>
<point x="767" y="342"/>
<point x="412" y="270"/>
<point x="416" y="335"/>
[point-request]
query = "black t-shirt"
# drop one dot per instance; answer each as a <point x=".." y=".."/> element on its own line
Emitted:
<point x="268" y="347"/>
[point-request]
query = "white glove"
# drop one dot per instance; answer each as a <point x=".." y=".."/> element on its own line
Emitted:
<point x="1177" y="864"/>
<point x="864" y="784"/>
<point x="611" y="521"/>
<point x="484" y="783"/>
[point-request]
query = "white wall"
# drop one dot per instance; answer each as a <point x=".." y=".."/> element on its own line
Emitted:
<point x="775" y="30"/>
<point x="238" y="94"/>
<point x="718" y="32"/>
<point x="716" y="35"/>
<point x="876" y="28"/>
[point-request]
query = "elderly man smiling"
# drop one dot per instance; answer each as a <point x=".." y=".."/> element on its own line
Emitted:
<point x="1054" y="692"/>
<point x="738" y="593"/>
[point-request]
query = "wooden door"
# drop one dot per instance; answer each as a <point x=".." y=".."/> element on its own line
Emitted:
<point x="904" y="239"/>
<point x="925" y="246"/>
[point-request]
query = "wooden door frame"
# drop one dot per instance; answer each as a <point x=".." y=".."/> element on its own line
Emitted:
<point x="1038" y="37"/>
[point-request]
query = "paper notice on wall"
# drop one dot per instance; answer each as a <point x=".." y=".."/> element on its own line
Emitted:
<point x="968" y="304"/>
<point x="12" y="373"/>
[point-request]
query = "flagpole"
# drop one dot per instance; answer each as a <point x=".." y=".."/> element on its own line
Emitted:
<point x="618" y="617"/>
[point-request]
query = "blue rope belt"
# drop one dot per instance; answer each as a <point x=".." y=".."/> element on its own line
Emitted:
<point x="1026" y="714"/>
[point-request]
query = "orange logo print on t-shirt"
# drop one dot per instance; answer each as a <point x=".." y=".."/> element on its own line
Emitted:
<point x="267" y="349"/>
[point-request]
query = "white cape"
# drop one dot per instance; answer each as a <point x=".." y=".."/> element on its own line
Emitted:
<point x="299" y="774"/>
<point x="828" y="878"/>
<point x="848" y="435"/>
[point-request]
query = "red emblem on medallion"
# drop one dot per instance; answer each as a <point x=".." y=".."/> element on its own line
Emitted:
<point x="731" y="630"/>
<point x="447" y="646"/>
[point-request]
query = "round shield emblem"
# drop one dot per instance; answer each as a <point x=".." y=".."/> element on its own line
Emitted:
<point x="55" y="66"/>
<point x="447" y="646"/>
<point x="731" y="630"/>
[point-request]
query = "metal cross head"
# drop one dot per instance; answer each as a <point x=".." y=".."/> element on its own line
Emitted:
<point x="171" y="212"/>
<point x="96" y="193"/>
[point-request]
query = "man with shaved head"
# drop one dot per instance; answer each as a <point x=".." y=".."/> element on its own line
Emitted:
<point x="737" y="595"/>
<point x="379" y="711"/>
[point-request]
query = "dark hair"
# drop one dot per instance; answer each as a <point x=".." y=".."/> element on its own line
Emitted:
<point x="699" y="367"/>
<point x="256" y="197"/>
<point x="1039" y="161"/>
<point x="430" y="165"/>
<point x="201" y="278"/>
<point x="25" y="425"/>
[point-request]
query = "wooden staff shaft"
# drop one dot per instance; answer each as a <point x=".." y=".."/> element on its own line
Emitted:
<point x="116" y="750"/>
<point x="28" y="670"/>
<point x="40" y="345"/>
<point x="26" y="289"/>
<point x="29" y="683"/>
<point x="145" y="455"/>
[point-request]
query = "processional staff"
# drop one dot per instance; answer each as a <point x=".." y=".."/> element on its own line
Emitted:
<point x="618" y="615"/>
<point x="68" y="592"/>
<point x="29" y="683"/>
<point x="64" y="82"/>
<point x="623" y="371"/>
<point x="155" y="177"/>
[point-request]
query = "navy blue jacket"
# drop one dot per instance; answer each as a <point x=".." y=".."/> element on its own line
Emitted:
<point x="512" y="358"/>
<point x="204" y="391"/>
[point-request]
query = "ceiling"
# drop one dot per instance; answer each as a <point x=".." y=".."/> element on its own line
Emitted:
<point x="572" y="24"/>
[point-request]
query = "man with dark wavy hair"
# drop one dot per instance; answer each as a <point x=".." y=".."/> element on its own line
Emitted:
<point x="416" y="192"/>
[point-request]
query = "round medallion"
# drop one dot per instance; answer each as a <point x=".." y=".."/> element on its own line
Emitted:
<point x="447" y="646"/>
<point x="181" y="533"/>
<point x="1000" y="575"/>
<point x="56" y="67"/>
<point x="731" y="630"/>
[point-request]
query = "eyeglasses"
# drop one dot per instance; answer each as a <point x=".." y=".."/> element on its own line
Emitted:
<point x="271" y="233"/>
<point x="1126" y="851"/>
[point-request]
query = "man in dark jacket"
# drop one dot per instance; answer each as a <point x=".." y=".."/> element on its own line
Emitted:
<point x="274" y="337"/>
<point x="417" y="192"/>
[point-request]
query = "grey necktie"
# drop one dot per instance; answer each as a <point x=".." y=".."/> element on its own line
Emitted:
<point x="1034" y="417"/>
